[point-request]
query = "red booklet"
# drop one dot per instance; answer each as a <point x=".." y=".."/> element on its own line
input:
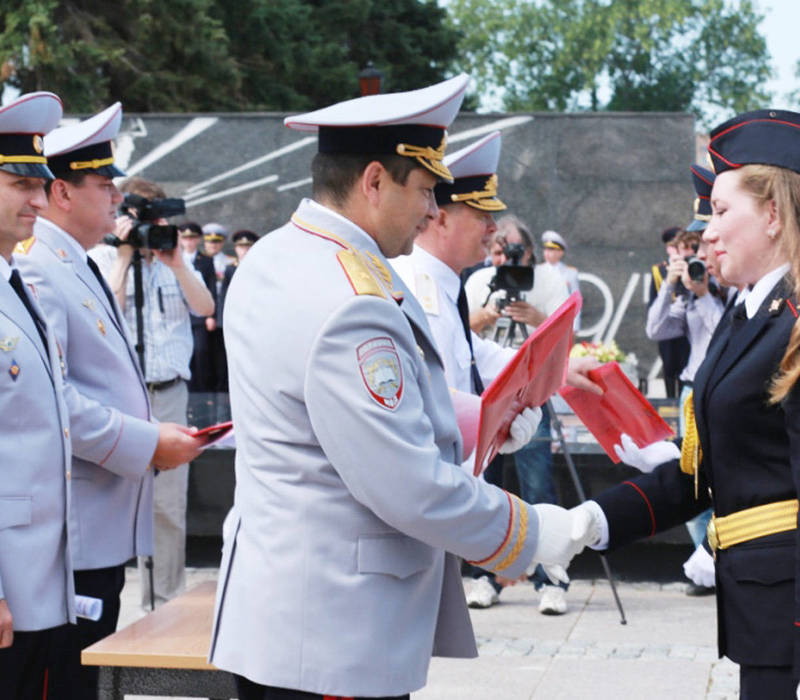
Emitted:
<point x="215" y="434"/>
<point x="621" y="409"/>
<point x="532" y="376"/>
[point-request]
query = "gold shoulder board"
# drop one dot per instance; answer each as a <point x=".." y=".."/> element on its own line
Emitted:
<point x="361" y="278"/>
<point x="23" y="247"/>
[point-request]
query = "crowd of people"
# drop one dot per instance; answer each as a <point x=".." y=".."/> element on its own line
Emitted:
<point x="354" y="499"/>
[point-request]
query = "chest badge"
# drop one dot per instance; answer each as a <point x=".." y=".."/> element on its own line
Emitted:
<point x="89" y="304"/>
<point x="775" y="306"/>
<point x="381" y="371"/>
<point x="9" y="343"/>
<point x="14" y="370"/>
<point x="101" y="326"/>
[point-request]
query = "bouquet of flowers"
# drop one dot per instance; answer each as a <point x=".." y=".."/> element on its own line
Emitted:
<point x="602" y="352"/>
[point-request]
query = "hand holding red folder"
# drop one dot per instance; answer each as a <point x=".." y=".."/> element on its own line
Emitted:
<point x="219" y="434"/>
<point x="621" y="409"/>
<point x="532" y="376"/>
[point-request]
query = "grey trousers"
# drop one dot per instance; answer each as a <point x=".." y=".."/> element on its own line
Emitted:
<point x="169" y="492"/>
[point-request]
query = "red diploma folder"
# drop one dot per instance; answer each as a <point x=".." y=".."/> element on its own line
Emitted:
<point x="621" y="409"/>
<point x="214" y="434"/>
<point x="532" y="376"/>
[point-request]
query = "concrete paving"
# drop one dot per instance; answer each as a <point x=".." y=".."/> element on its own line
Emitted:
<point x="666" y="651"/>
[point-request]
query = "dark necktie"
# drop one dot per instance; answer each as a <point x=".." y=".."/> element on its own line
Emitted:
<point x="16" y="284"/>
<point x="463" y="312"/>
<point x="739" y="316"/>
<point x="96" y="270"/>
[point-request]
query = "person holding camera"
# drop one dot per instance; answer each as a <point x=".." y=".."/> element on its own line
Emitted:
<point x="172" y="291"/>
<point x="116" y="443"/>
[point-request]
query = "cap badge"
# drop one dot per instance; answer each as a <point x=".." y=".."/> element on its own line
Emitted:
<point x="38" y="143"/>
<point x="14" y="370"/>
<point x="381" y="371"/>
<point x="8" y="344"/>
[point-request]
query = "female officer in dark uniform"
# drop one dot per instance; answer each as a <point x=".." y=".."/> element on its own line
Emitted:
<point x="741" y="462"/>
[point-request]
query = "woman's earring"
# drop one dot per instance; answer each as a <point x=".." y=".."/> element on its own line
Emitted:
<point x="772" y="233"/>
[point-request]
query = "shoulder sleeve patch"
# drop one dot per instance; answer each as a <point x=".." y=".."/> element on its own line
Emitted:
<point x="361" y="279"/>
<point x="23" y="247"/>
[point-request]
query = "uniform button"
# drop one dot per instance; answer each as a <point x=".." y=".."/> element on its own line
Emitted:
<point x="69" y="474"/>
<point x="66" y="432"/>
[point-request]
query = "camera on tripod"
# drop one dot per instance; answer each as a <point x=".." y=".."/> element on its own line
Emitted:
<point x="512" y="277"/>
<point x="145" y="232"/>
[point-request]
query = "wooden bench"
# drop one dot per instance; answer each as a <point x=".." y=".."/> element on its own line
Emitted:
<point x="164" y="653"/>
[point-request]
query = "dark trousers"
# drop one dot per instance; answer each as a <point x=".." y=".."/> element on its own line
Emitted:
<point x="199" y="364"/>
<point x="26" y="667"/>
<point x="762" y="682"/>
<point x="218" y="362"/>
<point x="253" y="691"/>
<point x="72" y="680"/>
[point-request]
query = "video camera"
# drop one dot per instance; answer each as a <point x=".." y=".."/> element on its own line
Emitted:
<point x="512" y="277"/>
<point x="145" y="232"/>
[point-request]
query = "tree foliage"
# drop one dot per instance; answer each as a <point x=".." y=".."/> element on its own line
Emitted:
<point x="638" y="55"/>
<point x="206" y="55"/>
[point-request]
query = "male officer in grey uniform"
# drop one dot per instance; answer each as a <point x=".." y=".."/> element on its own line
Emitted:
<point x="114" y="440"/>
<point x="36" y="593"/>
<point x="335" y="578"/>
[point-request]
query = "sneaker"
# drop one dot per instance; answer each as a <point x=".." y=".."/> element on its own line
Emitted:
<point x="482" y="594"/>
<point x="553" y="601"/>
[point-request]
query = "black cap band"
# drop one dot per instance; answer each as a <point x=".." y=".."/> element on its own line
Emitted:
<point x="97" y="158"/>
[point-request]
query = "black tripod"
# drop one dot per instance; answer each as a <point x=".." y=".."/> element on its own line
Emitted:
<point x="504" y="334"/>
<point x="138" y="300"/>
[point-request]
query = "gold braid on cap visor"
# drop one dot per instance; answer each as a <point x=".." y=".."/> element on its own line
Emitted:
<point x="22" y="159"/>
<point x="484" y="199"/>
<point x="86" y="164"/>
<point x="427" y="156"/>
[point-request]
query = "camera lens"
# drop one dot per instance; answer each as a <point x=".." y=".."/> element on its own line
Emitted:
<point x="696" y="269"/>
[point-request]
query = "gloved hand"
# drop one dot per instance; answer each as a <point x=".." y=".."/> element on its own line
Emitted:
<point x="522" y="430"/>
<point x="699" y="568"/>
<point x="563" y="534"/>
<point x="647" y="458"/>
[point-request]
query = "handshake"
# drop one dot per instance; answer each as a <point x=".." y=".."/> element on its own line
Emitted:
<point x="565" y="533"/>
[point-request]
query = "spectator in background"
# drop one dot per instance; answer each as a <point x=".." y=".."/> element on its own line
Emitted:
<point x="553" y="248"/>
<point x="674" y="353"/>
<point x="243" y="240"/>
<point x="534" y="461"/>
<point x="484" y="317"/>
<point x="172" y="290"/>
<point x="214" y="237"/>
<point x="190" y="236"/>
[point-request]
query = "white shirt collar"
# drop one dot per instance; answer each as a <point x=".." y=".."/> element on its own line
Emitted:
<point x="762" y="288"/>
<point x="75" y="248"/>
<point x="447" y="279"/>
<point x="5" y="268"/>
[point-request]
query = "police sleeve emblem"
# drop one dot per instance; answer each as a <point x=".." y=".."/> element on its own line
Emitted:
<point x="381" y="371"/>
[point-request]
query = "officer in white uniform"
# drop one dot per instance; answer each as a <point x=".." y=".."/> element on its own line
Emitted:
<point x="114" y="440"/>
<point x="554" y="246"/>
<point x="36" y="593"/>
<point x="335" y="578"/>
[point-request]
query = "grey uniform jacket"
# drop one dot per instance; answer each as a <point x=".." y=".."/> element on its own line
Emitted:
<point x="35" y="570"/>
<point x="334" y="576"/>
<point x="112" y="438"/>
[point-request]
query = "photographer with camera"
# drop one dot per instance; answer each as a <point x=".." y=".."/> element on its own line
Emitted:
<point x="171" y="290"/>
<point x="115" y="441"/>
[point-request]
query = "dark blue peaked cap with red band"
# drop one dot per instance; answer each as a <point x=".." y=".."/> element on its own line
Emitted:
<point x="703" y="182"/>
<point x="765" y="137"/>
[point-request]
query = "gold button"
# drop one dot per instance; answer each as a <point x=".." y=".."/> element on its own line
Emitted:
<point x="69" y="475"/>
<point x="66" y="432"/>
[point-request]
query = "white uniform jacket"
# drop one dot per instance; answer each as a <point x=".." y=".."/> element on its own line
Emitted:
<point x="113" y="438"/>
<point x="35" y="569"/>
<point x="435" y="285"/>
<point x="334" y="577"/>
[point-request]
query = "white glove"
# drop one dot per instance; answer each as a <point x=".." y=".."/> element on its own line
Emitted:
<point x="563" y="534"/>
<point x="522" y="430"/>
<point x="647" y="458"/>
<point x="699" y="568"/>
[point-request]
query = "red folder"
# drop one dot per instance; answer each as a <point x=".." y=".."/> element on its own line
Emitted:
<point x="532" y="376"/>
<point x="621" y="409"/>
<point x="213" y="433"/>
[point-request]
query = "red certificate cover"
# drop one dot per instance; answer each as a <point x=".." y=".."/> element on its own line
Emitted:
<point x="213" y="434"/>
<point x="621" y="409"/>
<point x="532" y="376"/>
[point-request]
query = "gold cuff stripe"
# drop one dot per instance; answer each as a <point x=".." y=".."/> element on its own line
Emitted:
<point x="521" y="534"/>
<point x="86" y="164"/>
<point x="751" y="523"/>
<point x="22" y="159"/>
<point x="691" y="452"/>
<point x="486" y="563"/>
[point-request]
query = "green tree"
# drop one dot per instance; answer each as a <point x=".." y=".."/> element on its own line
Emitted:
<point x="665" y="55"/>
